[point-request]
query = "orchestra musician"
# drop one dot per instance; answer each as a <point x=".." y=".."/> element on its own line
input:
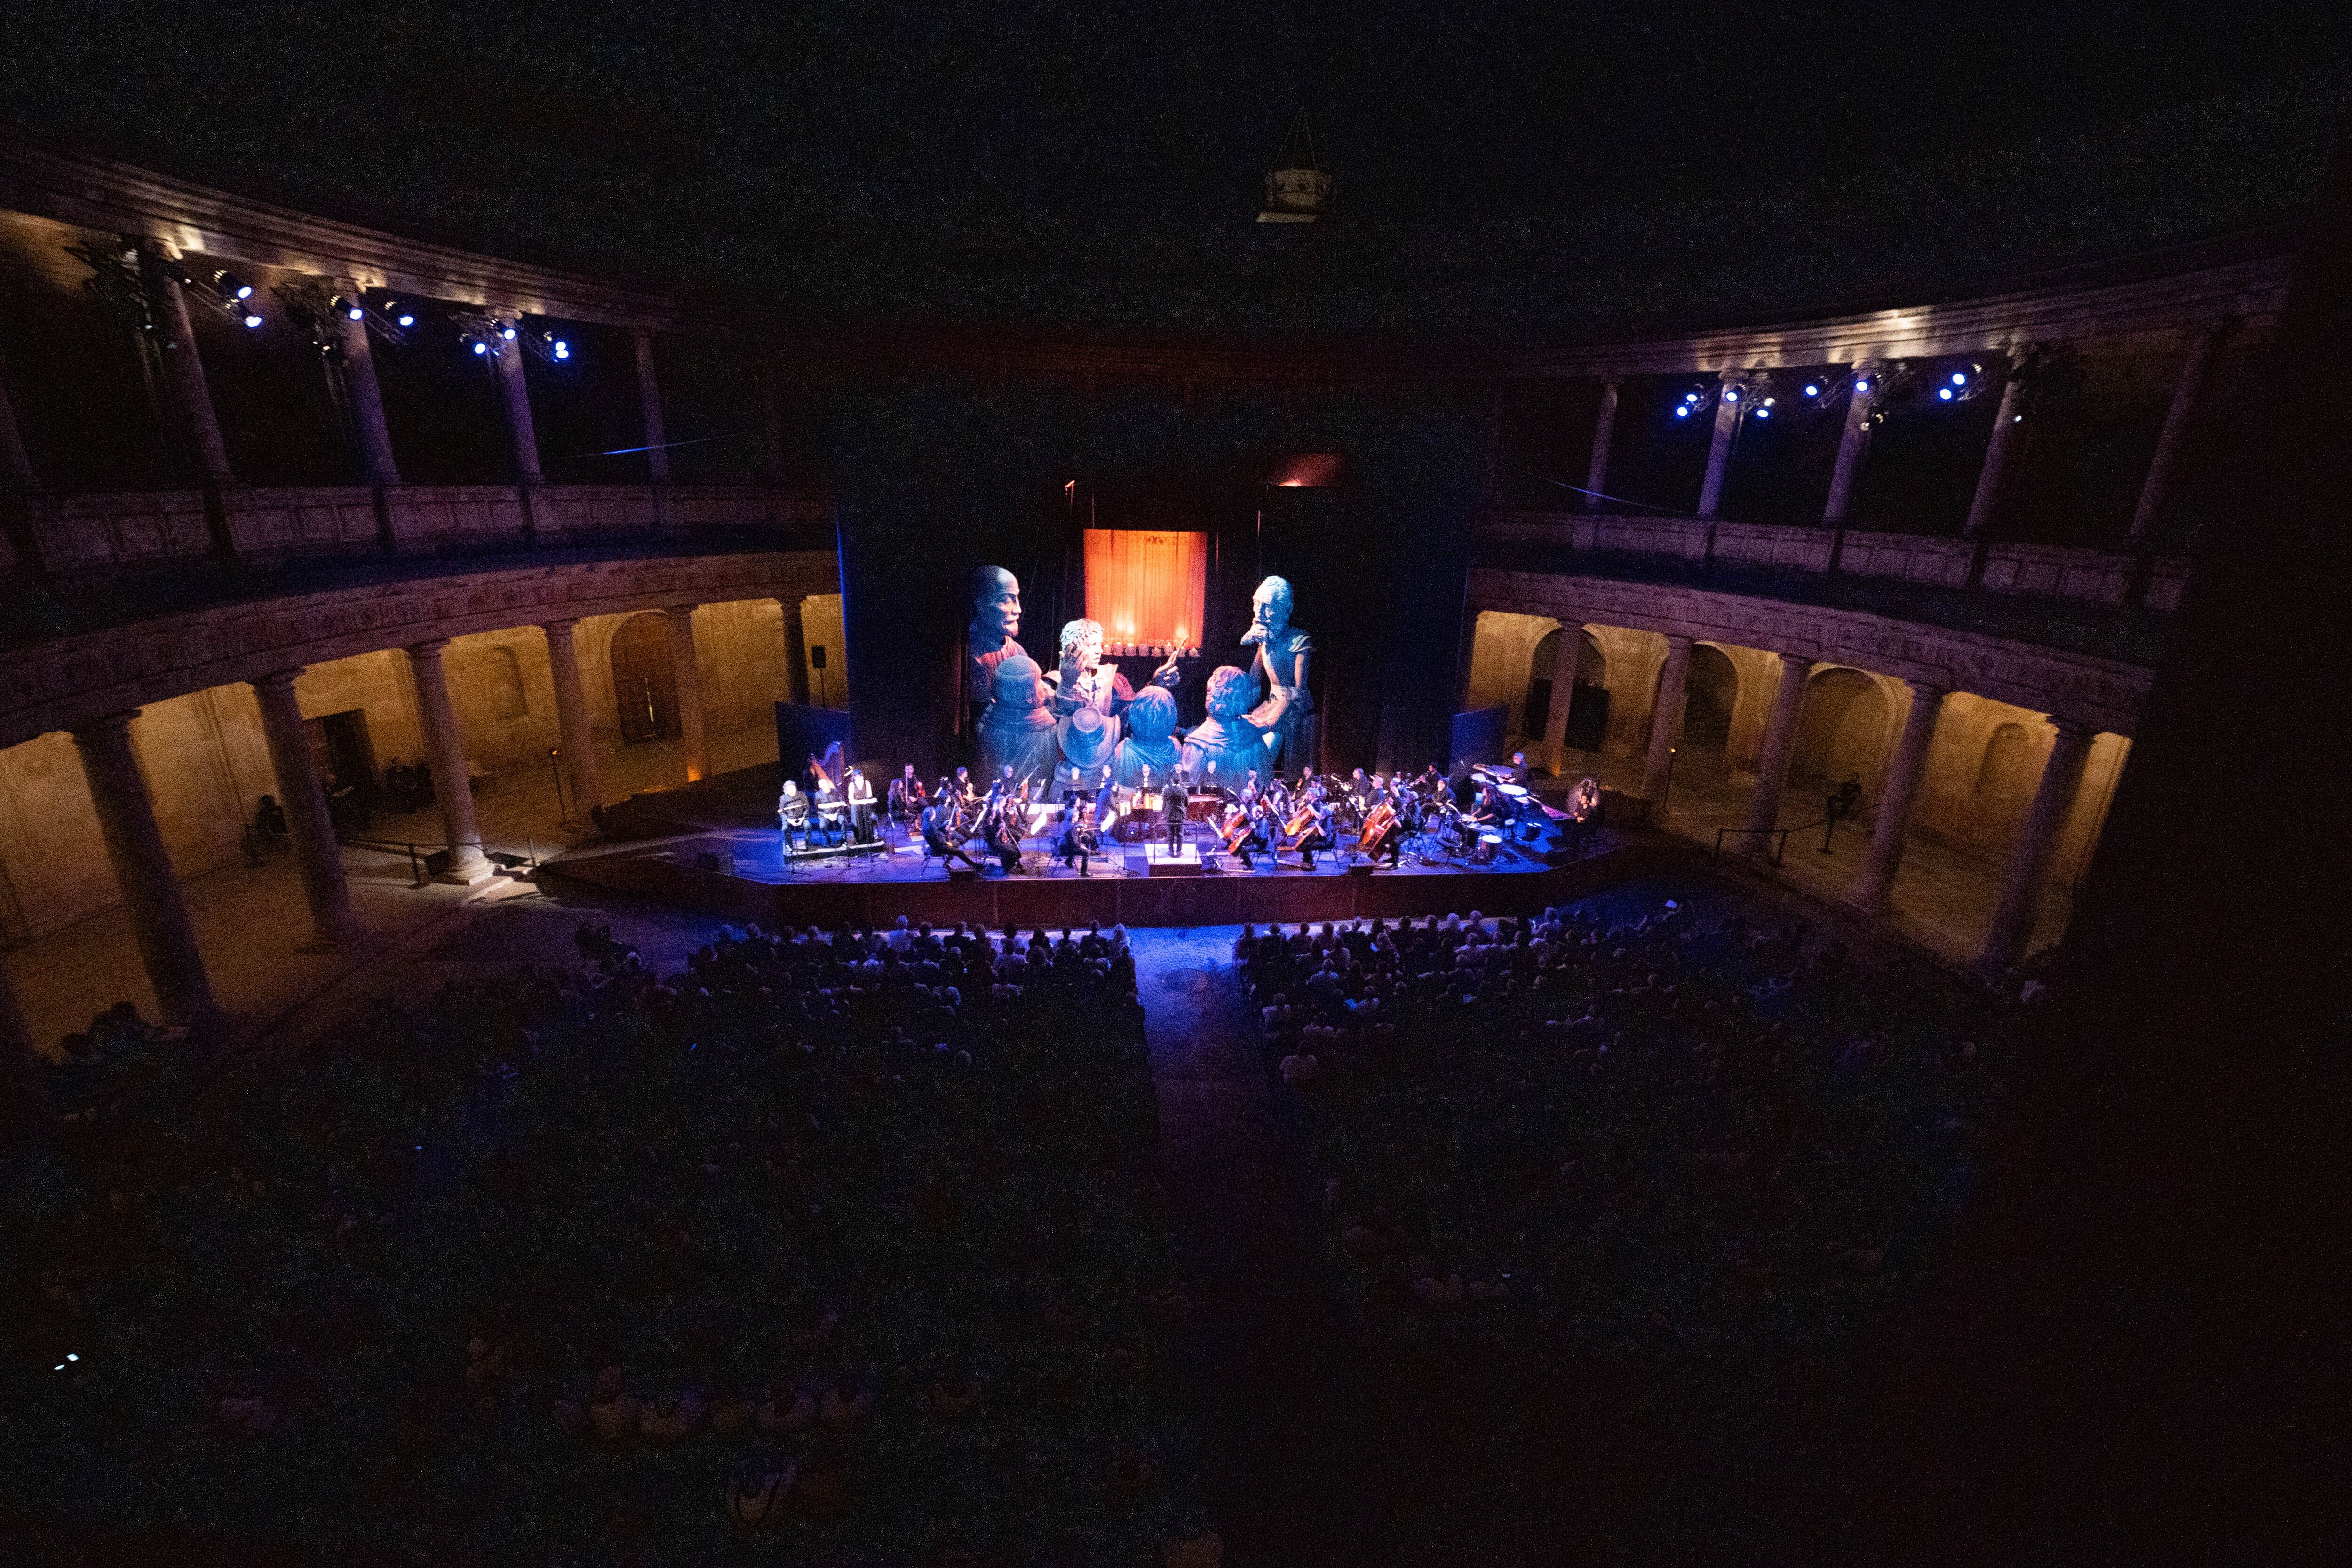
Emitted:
<point x="793" y="815"/>
<point x="905" y="798"/>
<point x="1001" y="828"/>
<point x="1078" y="842"/>
<point x="1385" y="834"/>
<point x="861" y="807"/>
<point x="1311" y="826"/>
<point x="942" y="832"/>
<point x="1254" y="833"/>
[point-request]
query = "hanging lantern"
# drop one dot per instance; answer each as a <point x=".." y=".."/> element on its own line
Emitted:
<point x="1297" y="188"/>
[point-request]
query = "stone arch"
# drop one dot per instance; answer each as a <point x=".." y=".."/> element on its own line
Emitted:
<point x="1842" y="732"/>
<point x="1542" y="664"/>
<point x="1710" y="693"/>
<point x="644" y="680"/>
<point x="2007" y="776"/>
<point x="503" y="686"/>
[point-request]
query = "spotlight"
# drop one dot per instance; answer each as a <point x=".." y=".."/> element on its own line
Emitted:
<point x="506" y="331"/>
<point x="1683" y="411"/>
<point x="562" y="349"/>
<point x="1862" y="384"/>
<point x="1812" y="389"/>
<point x="1731" y="395"/>
<point x="480" y="347"/>
<point x="354" y="312"/>
<point x="231" y="286"/>
<point x="1945" y="392"/>
<point x="1959" y="378"/>
<point x="406" y="317"/>
<point x="1763" y="412"/>
<point x="251" y="320"/>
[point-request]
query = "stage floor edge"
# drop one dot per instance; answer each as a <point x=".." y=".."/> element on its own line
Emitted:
<point x="667" y="873"/>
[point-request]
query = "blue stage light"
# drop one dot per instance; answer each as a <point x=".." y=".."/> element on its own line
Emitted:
<point x="1959" y="378"/>
<point x="1731" y="395"/>
<point x="1862" y="384"/>
<point x="1812" y="389"/>
<point x="1945" y="392"/>
<point x="1763" y="413"/>
<point x="251" y="320"/>
<point x="354" y="312"/>
<point x="406" y="320"/>
<point x="507" y="332"/>
<point x="1683" y="411"/>
<point x="481" y="348"/>
<point x="562" y="349"/>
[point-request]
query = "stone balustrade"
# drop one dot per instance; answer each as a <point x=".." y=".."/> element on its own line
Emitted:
<point x="82" y="534"/>
<point x="2101" y="577"/>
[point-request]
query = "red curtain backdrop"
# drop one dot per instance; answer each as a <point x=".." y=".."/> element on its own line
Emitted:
<point x="1147" y="587"/>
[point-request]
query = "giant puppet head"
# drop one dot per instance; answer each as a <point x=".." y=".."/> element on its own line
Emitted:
<point x="996" y="608"/>
<point x="1269" y="611"/>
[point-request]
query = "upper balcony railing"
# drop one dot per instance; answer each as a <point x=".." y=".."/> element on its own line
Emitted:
<point x="84" y="536"/>
<point x="2110" y="579"/>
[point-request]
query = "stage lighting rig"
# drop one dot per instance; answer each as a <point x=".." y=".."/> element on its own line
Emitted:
<point x="548" y="345"/>
<point x="484" y="337"/>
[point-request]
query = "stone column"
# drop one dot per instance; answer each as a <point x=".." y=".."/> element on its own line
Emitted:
<point x="1727" y="411"/>
<point x="452" y="788"/>
<point x="307" y="820"/>
<point x="571" y="720"/>
<point x="796" y="679"/>
<point x="1604" y="428"/>
<point x="2020" y="882"/>
<point x="184" y="373"/>
<point x="649" y="400"/>
<point x="1772" y="758"/>
<point x="1852" y="440"/>
<point x="2168" y="444"/>
<point x="517" y="388"/>
<point x="1666" y="722"/>
<point x="690" y="692"/>
<point x="1563" y="692"/>
<point x="1896" y="791"/>
<point x="367" y="400"/>
<point x="142" y="868"/>
<point x="1996" y="458"/>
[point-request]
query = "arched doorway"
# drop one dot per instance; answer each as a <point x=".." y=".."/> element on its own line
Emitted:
<point x="644" y="683"/>
<point x="1535" y="711"/>
<point x="2005" y="781"/>
<point x="1842" y="734"/>
<point x="1588" y="714"/>
<point x="1709" y="690"/>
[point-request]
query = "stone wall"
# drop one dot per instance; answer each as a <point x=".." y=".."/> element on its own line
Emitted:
<point x="207" y="762"/>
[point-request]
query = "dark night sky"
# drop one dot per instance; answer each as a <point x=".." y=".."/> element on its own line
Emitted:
<point x="1570" y="168"/>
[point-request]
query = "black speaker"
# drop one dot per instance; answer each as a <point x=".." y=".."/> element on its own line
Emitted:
<point x="1362" y="869"/>
<point x="816" y="656"/>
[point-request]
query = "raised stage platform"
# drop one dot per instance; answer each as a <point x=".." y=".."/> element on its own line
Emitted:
<point x="706" y="858"/>
<point x="742" y="875"/>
